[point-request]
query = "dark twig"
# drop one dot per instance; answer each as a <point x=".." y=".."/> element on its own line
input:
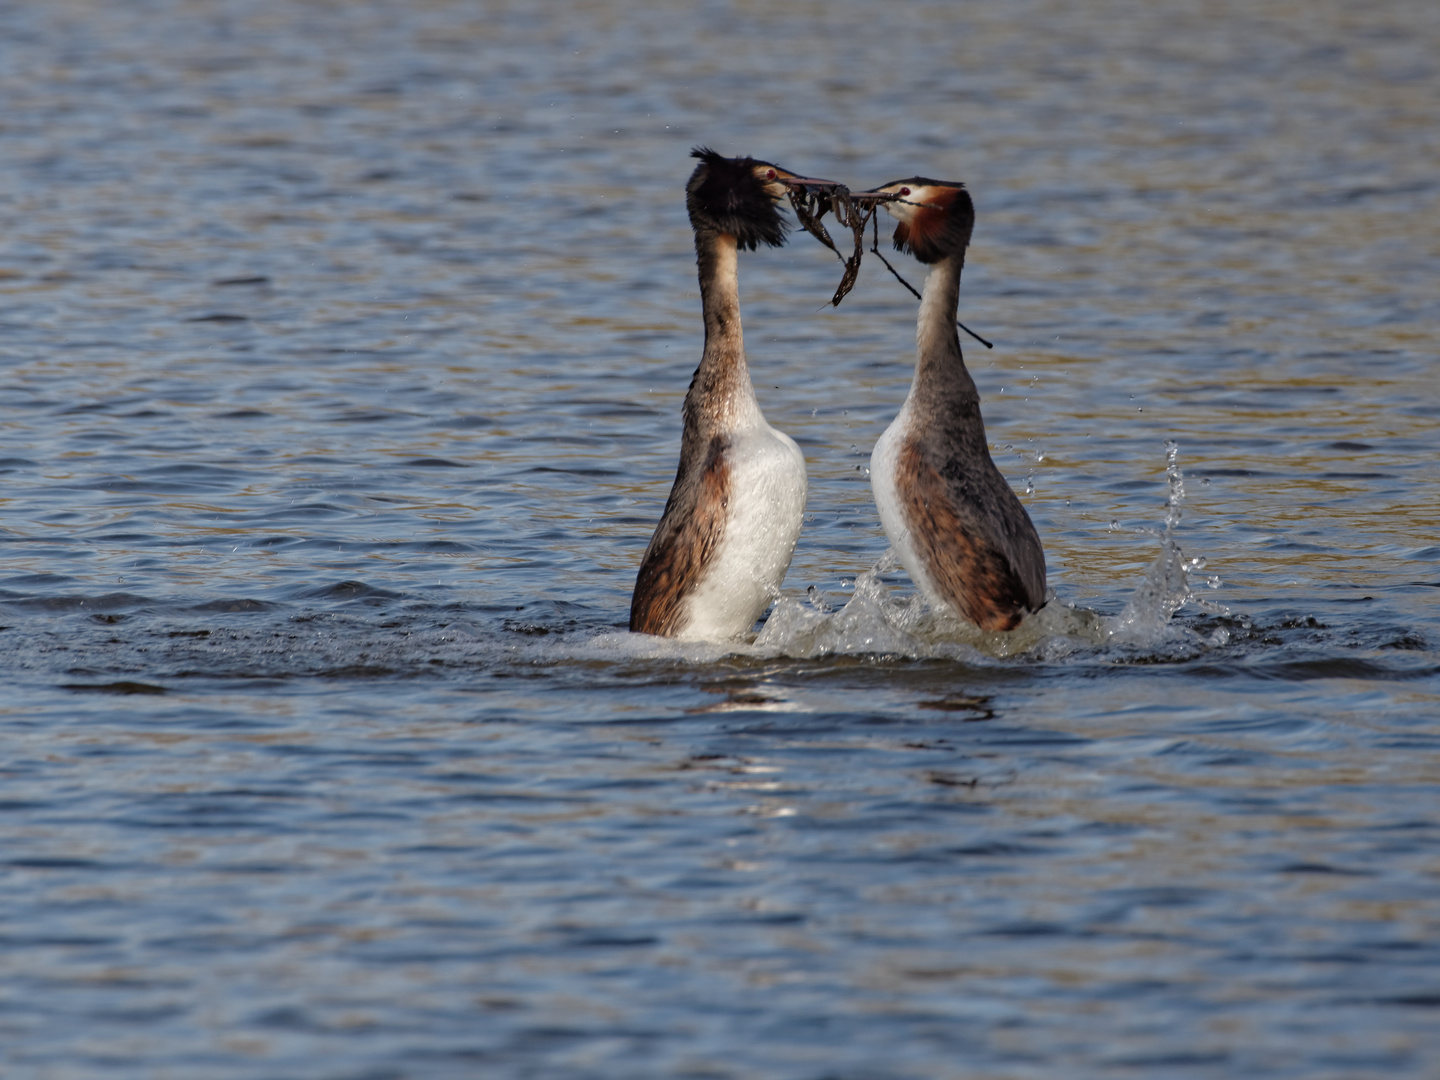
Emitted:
<point x="875" y="247"/>
<point x="972" y="333"/>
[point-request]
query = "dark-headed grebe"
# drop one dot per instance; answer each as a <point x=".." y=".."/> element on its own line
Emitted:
<point x="725" y="540"/>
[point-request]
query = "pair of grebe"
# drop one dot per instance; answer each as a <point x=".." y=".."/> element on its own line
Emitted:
<point x="729" y="529"/>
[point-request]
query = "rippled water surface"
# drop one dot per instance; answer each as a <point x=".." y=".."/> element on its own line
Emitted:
<point x="343" y="351"/>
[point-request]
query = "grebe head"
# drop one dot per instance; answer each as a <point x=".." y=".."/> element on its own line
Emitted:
<point x="741" y="196"/>
<point x="935" y="217"/>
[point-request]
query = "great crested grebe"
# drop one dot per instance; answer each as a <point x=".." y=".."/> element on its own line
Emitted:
<point x="956" y="525"/>
<point x="729" y="528"/>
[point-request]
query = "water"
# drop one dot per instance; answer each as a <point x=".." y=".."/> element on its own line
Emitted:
<point x="342" y="359"/>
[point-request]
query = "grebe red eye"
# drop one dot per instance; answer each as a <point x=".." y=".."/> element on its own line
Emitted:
<point x="769" y="174"/>
<point x="904" y="191"/>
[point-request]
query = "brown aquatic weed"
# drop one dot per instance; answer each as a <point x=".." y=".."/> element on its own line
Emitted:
<point x="853" y="212"/>
<point x="856" y="213"/>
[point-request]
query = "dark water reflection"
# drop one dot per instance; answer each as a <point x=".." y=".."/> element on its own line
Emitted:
<point x="343" y="347"/>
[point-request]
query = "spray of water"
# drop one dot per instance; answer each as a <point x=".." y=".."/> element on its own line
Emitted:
<point x="1167" y="583"/>
<point x="875" y="622"/>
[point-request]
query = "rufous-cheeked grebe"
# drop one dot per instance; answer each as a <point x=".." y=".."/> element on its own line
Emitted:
<point x="956" y="525"/>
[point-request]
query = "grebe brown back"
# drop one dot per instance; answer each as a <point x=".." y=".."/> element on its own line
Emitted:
<point x="725" y="540"/>
<point x="955" y="523"/>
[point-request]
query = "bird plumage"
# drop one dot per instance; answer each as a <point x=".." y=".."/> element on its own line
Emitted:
<point x="729" y="528"/>
<point x="955" y="523"/>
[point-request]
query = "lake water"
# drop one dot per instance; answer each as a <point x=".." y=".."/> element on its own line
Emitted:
<point x="343" y="352"/>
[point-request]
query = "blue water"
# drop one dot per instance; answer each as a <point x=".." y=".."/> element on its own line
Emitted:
<point x="343" y="351"/>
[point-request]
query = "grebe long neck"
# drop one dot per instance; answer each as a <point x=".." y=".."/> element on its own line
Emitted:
<point x="943" y="390"/>
<point x="721" y="394"/>
<point x="939" y="364"/>
<point x="719" y="273"/>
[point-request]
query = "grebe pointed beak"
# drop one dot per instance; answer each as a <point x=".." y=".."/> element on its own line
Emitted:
<point x="808" y="181"/>
<point x="875" y="195"/>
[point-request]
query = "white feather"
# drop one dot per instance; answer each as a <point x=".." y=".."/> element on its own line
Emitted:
<point x="763" y="519"/>
<point x="885" y="483"/>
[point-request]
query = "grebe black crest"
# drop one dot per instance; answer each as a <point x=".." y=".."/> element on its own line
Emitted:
<point x="953" y="520"/>
<point x="727" y="195"/>
<point x="724" y="542"/>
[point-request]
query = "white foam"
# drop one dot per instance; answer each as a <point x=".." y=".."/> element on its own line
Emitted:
<point x="1165" y="586"/>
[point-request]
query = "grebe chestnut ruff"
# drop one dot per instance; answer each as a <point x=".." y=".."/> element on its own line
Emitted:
<point x="954" y="522"/>
<point x="725" y="540"/>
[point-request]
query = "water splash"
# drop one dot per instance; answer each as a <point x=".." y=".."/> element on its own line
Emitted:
<point x="1166" y="585"/>
<point x="870" y="622"/>
<point x="876" y="622"/>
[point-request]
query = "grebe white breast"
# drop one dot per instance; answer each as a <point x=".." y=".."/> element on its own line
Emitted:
<point x="725" y="540"/>
<point x="955" y="523"/>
